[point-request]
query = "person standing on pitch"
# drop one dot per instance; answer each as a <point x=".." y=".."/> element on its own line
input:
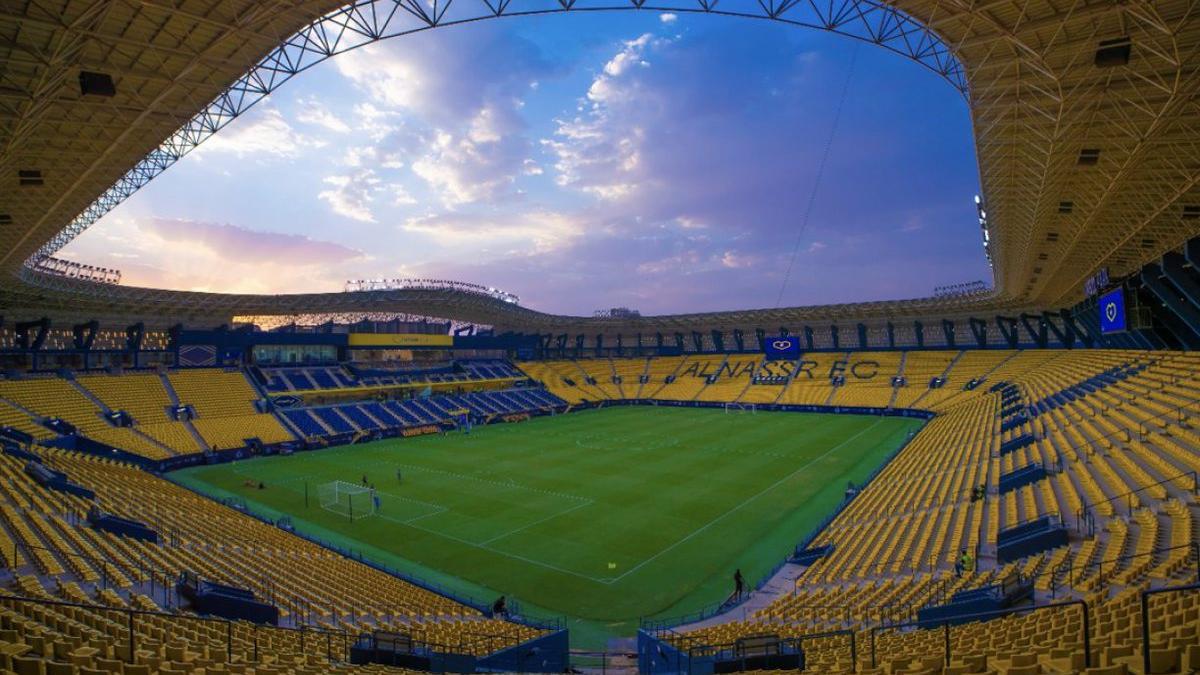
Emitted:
<point x="399" y="478"/>
<point x="739" y="584"/>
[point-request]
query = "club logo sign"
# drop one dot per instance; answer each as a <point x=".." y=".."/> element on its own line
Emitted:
<point x="1112" y="311"/>
<point x="287" y="401"/>
<point x="781" y="347"/>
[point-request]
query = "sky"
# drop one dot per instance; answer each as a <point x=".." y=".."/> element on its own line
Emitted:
<point x="667" y="163"/>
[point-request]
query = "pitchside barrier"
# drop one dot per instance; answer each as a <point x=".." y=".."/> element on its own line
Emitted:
<point x="665" y="651"/>
<point x="544" y="654"/>
<point x="773" y="407"/>
<point x="521" y="617"/>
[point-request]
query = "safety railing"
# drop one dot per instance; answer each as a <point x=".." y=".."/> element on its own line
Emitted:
<point x="242" y="637"/>
<point x="696" y="650"/>
<point x="1128" y="496"/>
<point x="1070" y="570"/>
<point x="912" y="566"/>
<point x="1145" y="602"/>
<point x="1180" y="414"/>
<point x="159" y="580"/>
<point x="947" y="623"/>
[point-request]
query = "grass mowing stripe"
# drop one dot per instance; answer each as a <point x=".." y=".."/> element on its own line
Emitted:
<point x="603" y="515"/>
<point x="552" y="516"/>
<point x="746" y="501"/>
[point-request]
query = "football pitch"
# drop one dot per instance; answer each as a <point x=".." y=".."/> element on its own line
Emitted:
<point x="602" y="516"/>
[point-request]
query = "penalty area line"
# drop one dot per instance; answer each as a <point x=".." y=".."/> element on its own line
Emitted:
<point x="539" y="521"/>
<point x="484" y="547"/>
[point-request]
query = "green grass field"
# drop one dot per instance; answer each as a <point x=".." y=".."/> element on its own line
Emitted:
<point x="603" y="516"/>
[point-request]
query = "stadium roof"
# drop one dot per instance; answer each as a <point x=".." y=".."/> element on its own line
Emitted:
<point x="1086" y="117"/>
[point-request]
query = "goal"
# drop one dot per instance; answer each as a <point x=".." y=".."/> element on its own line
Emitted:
<point x="740" y="408"/>
<point x="346" y="499"/>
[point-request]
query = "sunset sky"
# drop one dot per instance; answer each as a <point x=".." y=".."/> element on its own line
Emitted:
<point x="651" y="160"/>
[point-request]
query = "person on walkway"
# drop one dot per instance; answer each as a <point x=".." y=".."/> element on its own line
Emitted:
<point x="965" y="563"/>
<point x="739" y="584"/>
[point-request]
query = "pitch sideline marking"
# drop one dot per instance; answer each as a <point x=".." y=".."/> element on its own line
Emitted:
<point x="539" y="521"/>
<point x="506" y="554"/>
<point x="746" y="501"/>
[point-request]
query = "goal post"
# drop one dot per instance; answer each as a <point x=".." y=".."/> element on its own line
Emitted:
<point x="740" y="408"/>
<point x="347" y="499"/>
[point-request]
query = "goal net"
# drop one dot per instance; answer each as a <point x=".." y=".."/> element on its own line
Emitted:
<point x="346" y="499"/>
<point x="740" y="408"/>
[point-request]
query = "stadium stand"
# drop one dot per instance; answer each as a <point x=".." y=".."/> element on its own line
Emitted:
<point x="54" y="558"/>
<point x="1064" y="423"/>
<point x="224" y="406"/>
<point x="1111" y="428"/>
<point x="1103" y="435"/>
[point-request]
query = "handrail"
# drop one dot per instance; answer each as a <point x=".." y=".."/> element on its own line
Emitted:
<point x="1025" y="521"/>
<point x="1145" y="600"/>
<point x="105" y="563"/>
<point x="131" y="613"/>
<point x="1164" y="481"/>
<point x="715" y="650"/>
<point x="1178" y="410"/>
<point x="1194" y="546"/>
<point x="1087" y="640"/>
<point x="932" y="560"/>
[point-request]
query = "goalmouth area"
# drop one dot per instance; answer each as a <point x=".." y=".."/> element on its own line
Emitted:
<point x="602" y="516"/>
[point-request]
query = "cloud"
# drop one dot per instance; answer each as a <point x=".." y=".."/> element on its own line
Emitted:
<point x="735" y="260"/>
<point x="312" y="111"/>
<point x="480" y="162"/>
<point x="668" y="17"/>
<point x="267" y="135"/>
<point x="458" y="127"/>
<point x="523" y="234"/>
<point x="240" y="244"/>
<point x="197" y="255"/>
<point x="668" y="173"/>
<point x="351" y="194"/>
<point x="913" y="223"/>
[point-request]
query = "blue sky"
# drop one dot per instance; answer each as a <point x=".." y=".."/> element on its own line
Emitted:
<point x="655" y="161"/>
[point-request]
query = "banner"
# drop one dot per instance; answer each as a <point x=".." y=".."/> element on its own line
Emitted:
<point x="197" y="356"/>
<point x="781" y="348"/>
<point x="1112" y="311"/>
<point x="400" y="340"/>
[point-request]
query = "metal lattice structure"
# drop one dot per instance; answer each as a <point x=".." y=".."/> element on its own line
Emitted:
<point x="363" y="23"/>
<point x="1086" y="116"/>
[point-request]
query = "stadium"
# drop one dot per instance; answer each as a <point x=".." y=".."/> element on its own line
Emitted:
<point x="421" y="474"/>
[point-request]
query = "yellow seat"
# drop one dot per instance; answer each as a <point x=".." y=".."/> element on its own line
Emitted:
<point x="1119" y="669"/>
<point x="23" y="665"/>
<point x="59" y="668"/>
